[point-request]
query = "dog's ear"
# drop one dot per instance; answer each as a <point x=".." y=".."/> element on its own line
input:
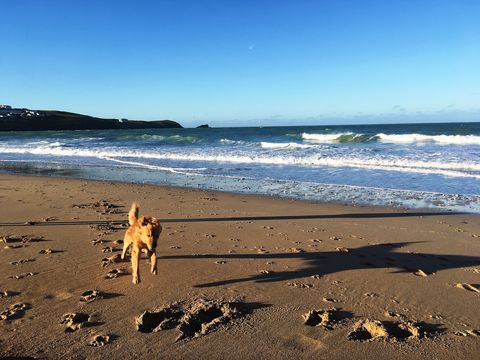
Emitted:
<point x="144" y="221"/>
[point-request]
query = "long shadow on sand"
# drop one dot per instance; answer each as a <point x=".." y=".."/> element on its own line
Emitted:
<point x="329" y="262"/>
<point x="242" y="218"/>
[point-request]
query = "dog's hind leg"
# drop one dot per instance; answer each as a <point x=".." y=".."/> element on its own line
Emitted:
<point x="135" y="259"/>
<point x="153" y="262"/>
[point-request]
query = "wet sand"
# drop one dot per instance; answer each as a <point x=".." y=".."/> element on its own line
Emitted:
<point x="239" y="276"/>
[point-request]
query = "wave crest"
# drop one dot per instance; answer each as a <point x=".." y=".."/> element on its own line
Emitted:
<point x="421" y="138"/>
<point x="164" y="138"/>
<point x="269" y="145"/>
<point x="454" y="169"/>
<point x="350" y="137"/>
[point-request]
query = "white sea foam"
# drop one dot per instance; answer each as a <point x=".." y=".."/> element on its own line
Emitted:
<point x="323" y="138"/>
<point x="450" y="168"/>
<point x="163" y="138"/>
<point x="441" y="139"/>
<point x="185" y="171"/>
<point x="232" y="142"/>
<point x="270" y="145"/>
<point x="393" y="138"/>
<point x="46" y="143"/>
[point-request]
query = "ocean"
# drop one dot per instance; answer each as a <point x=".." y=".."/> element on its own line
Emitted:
<point x="435" y="166"/>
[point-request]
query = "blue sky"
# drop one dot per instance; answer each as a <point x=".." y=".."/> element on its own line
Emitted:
<point x="248" y="62"/>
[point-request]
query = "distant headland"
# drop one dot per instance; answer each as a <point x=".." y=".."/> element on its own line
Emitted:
<point x="15" y="119"/>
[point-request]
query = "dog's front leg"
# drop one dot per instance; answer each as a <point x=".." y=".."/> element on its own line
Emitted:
<point x="153" y="262"/>
<point x="126" y="243"/>
<point x="135" y="259"/>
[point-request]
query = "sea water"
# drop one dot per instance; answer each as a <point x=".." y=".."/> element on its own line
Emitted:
<point x="408" y="165"/>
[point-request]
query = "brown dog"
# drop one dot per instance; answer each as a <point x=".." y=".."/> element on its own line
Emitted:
<point x="143" y="233"/>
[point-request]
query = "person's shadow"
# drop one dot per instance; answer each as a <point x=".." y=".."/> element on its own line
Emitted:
<point x="329" y="262"/>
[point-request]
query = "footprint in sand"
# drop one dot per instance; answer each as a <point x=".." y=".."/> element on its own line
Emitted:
<point x="9" y="239"/>
<point x="15" y="246"/>
<point x="329" y="300"/>
<point x="100" y="340"/>
<point x="21" y="276"/>
<point x="115" y="273"/>
<point x="365" y="330"/>
<point x="32" y="238"/>
<point x="118" y="242"/>
<point x="209" y="198"/>
<point x="369" y="330"/>
<point x="469" y="287"/>
<point x="21" y="261"/>
<point x="295" y="250"/>
<point x="420" y="272"/>
<point x="46" y="251"/>
<point x="111" y="260"/>
<point x="107" y="249"/>
<point x="327" y="319"/>
<point x="98" y="242"/>
<point x="91" y="295"/>
<point x="15" y="311"/>
<point x="467" y="333"/>
<point x="342" y="249"/>
<point x="192" y="320"/>
<point x="266" y="272"/>
<point x="8" y="293"/>
<point x="300" y="285"/>
<point x="220" y="262"/>
<point x="103" y="229"/>
<point x="75" y="321"/>
<point x="394" y="314"/>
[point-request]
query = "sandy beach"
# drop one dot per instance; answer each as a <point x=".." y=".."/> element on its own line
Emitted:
<point x="239" y="276"/>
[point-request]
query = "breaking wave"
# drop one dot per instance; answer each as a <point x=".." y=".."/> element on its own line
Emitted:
<point x="441" y="139"/>
<point x="270" y="145"/>
<point x="454" y="169"/>
<point x="350" y="137"/>
<point x="164" y="138"/>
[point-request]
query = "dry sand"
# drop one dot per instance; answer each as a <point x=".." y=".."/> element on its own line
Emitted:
<point x="239" y="276"/>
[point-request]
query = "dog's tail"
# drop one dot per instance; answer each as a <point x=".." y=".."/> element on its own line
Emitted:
<point x="133" y="214"/>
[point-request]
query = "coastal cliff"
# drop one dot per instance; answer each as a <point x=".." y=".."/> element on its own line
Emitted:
<point x="36" y="120"/>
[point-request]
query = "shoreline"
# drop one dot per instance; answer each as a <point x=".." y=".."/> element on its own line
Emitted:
<point x="240" y="193"/>
<point x="231" y="193"/>
<point x="277" y="259"/>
